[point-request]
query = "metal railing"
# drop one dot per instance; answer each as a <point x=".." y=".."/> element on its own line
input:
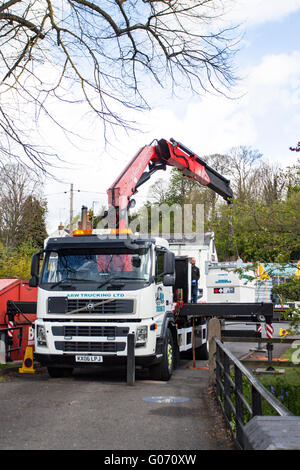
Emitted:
<point x="8" y="342"/>
<point x="231" y="375"/>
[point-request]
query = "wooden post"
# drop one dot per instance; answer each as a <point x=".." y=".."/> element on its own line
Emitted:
<point x="214" y="329"/>
<point x="130" y="360"/>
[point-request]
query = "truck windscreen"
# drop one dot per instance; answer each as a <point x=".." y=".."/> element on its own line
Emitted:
<point x="95" y="267"/>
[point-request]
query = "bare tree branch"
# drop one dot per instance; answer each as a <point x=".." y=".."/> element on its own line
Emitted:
<point x="102" y="52"/>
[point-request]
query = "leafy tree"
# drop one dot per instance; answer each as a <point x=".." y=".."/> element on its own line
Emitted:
<point x="262" y="224"/>
<point x="288" y="291"/>
<point x="262" y="232"/>
<point x="16" y="262"/>
<point x="180" y="188"/>
<point x="32" y="225"/>
<point x="290" y="177"/>
<point x="22" y="212"/>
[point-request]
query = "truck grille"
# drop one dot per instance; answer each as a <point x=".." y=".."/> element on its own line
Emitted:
<point x="94" y="331"/>
<point x="84" y="346"/>
<point x="115" y="307"/>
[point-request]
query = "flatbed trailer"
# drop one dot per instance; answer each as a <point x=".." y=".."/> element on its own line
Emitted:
<point x="256" y="312"/>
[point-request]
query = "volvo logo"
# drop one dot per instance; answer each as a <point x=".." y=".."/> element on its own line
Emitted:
<point x="90" y="307"/>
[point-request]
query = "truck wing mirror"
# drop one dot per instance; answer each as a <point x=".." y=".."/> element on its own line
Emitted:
<point x="35" y="268"/>
<point x="169" y="280"/>
<point x="33" y="282"/>
<point x="169" y="263"/>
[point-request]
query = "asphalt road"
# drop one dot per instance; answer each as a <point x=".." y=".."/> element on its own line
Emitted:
<point x="99" y="411"/>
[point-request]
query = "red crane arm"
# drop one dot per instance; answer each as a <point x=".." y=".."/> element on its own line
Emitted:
<point x="156" y="157"/>
<point x="124" y="186"/>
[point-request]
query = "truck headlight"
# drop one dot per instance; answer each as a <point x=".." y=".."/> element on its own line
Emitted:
<point x="41" y="336"/>
<point x="141" y="334"/>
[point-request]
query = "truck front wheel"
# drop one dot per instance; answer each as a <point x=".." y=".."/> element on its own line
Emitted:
<point x="164" y="369"/>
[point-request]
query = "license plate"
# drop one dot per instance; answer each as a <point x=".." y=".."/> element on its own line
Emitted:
<point x="86" y="358"/>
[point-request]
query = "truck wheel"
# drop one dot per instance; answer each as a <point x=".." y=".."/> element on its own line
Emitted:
<point x="56" y="372"/>
<point x="164" y="369"/>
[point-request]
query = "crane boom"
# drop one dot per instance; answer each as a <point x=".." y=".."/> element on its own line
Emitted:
<point x="157" y="156"/>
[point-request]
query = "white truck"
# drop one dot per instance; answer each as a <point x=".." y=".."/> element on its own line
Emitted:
<point x="97" y="291"/>
<point x="94" y="292"/>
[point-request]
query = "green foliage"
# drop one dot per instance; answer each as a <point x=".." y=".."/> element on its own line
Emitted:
<point x="289" y="291"/>
<point x="32" y="227"/>
<point x="286" y="393"/>
<point x="263" y="232"/>
<point x="265" y="211"/>
<point x="285" y="388"/>
<point x="16" y="263"/>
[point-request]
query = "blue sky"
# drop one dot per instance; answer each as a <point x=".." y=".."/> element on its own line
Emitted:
<point x="265" y="117"/>
<point x="274" y="37"/>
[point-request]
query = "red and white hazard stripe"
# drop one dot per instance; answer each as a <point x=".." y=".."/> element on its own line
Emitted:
<point x="258" y="328"/>
<point x="10" y="333"/>
<point x="269" y="330"/>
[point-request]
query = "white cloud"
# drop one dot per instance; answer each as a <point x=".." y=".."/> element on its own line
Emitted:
<point x="266" y="116"/>
<point x="255" y="12"/>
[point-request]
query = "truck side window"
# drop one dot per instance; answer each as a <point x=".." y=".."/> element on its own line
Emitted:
<point x="159" y="267"/>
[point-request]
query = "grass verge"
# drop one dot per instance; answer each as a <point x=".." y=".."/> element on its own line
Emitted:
<point x="285" y="387"/>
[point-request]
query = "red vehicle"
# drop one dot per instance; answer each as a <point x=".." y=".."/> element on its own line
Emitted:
<point x="17" y="309"/>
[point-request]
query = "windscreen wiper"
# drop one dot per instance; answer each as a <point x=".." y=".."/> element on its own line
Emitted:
<point x="114" y="281"/>
<point x="107" y="281"/>
<point x="65" y="282"/>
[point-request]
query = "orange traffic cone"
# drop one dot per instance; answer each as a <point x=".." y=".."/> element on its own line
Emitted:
<point x="27" y="367"/>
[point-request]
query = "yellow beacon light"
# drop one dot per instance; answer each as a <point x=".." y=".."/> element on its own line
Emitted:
<point x="82" y="232"/>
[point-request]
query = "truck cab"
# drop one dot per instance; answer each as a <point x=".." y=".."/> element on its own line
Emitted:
<point x="93" y="291"/>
